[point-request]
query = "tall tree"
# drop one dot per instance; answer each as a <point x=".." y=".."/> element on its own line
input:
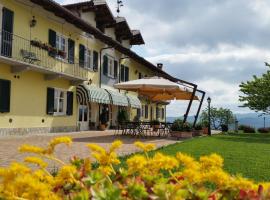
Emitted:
<point x="218" y="117"/>
<point x="256" y="93"/>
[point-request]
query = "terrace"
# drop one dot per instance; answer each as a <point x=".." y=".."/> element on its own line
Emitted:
<point x="26" y="55"/>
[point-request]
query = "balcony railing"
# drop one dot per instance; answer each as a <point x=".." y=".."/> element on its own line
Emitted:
<point x="23" y="51"/>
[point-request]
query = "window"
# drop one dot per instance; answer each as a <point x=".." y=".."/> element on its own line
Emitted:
<point x="142" y="110"/>
<point x="4" y="96"/>
<point x="110" y="67"/>
<point x="140" y="75"/>
<point x="157" y="113"/>
<point x="60" y="97"/>
<point x="61" y="44"/>
<point x="138" y="113"/>
<point x="146" y="110"/>
<point x="88" y="58"/>
<point x="163" y="113"/>
<point x="124" y="73"/>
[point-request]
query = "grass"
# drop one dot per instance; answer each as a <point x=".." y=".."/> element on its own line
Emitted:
<point x="245" y="154"/>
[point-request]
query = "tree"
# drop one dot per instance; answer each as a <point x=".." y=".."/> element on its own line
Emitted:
<point x="256" y="93"/>
<point x="218" y="117"/>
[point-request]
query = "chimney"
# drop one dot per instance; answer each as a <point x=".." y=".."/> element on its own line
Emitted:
<point x="160" y="66"/>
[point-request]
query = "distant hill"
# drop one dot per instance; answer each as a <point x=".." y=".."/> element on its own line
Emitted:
<point x="250" y="119"/>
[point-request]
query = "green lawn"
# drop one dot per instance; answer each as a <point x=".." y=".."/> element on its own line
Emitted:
<point x="246" y="154"/>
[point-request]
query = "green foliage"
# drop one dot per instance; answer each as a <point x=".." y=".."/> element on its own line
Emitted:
<point x="155" y="122"/>
<point x="198" y="126"/>
<point x="246" y="129"/>
<point x="256" y="93"/>
<point x="179" y="125"/>
<point x="122" y="116"/>
<point x="218" y="117"/>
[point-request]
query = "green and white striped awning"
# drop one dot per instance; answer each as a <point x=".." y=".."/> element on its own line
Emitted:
<point x="118" y="99"/>
<point x="88" y="93"/>
<point x="134" y="101"/>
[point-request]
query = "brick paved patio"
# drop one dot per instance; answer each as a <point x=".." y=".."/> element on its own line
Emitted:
<point x="9" y="145"/>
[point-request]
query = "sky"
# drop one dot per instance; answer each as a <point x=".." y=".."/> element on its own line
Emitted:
<point x="215" y="44"/>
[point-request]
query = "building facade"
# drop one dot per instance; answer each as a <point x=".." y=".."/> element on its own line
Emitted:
<point x="58" y="65"/>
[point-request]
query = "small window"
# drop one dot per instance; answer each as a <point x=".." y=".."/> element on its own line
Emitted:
<point x="140" y="75"/>
<point x="157" y="113"/>
<point x="60" y="98"/>
<point x="143" y="111"/>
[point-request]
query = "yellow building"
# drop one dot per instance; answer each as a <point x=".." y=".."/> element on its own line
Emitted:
<point x="58" y="65"/>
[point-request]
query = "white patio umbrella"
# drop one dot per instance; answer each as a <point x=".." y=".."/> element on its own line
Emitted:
<point x="157" y="89"/>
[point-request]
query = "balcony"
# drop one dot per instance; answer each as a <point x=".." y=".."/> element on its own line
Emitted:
<point x="26" y="55"/>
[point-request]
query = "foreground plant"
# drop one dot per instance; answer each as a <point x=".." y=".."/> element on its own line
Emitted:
<point x="144" y="177"/>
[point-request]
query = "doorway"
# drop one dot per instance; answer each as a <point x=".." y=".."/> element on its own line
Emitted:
<point x="83" y="116"/>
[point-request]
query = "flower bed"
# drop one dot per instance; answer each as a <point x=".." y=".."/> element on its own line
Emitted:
<point x="145" y="177"/>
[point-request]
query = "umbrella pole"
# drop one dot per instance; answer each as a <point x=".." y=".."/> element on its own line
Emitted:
<point x="199" y="109"/>
<point x="190" y="103"/>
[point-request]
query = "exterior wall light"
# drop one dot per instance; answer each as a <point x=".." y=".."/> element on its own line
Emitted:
<point x="33" y="22"/>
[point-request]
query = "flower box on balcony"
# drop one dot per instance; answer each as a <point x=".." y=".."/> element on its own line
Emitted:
<point x="62" y="53"/>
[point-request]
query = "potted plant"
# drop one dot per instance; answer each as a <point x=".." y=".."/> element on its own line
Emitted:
<point x="61" y="53"/>
<point x="122" y="116"/>
<point x="198" y="130"/>
<point x="205" y="127"/>
<point x="180" y="129"/>
<point x="155" y="124"/>
<point x="103" y="121"/>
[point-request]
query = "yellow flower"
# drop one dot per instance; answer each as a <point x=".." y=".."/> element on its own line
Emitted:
<point x="219" y="177"/>
<point x="96" y="148"/>
<point x="161" y="161"/>
<point x="136" y="163"/>
<point x="115" y="145"/>
<point x="212" y="161"/>
<point x="31" y="149"/>
<point x="241" y="183"/>
<point x="106" y="170"/>
<point x="145" y="147"/>
<point x="66" y="175"/>
<point x="187" y="161"/>
<point x="37" y="161"/>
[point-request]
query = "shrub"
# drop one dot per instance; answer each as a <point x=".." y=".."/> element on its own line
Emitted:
<point x="263" y="130"/>
<point x="224" y="128"/>
<point x="155" y="122"/>
<point x="145" y="177"/>
<point x="246" y="129"/>
<point x="122" y="116"/>
<point x="179" y="125"/>
<point x="198" y="127"/>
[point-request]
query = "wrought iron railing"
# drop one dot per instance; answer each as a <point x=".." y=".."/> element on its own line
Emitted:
<point x="40" y="55"/>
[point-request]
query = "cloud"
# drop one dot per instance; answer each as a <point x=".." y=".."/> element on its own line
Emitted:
<point x="215" y="44"/>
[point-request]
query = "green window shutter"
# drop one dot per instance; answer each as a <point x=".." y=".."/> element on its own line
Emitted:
<point x="81" y="55"/>
<point x="50" y="101"/>
<point x="5" y="96"/>
<point x="95" y="60"/>
<point x="52" y="38"/>
<point x="52" y="42"/>
<point x="105" y="65"/>
<point x="126" y="74"/>
<point x="115" y="69"/>
<point x="122" y="73"/>
<point x="7" y="32"/>
<point x="71" y="51"/>
<point x="69" y="103"/>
